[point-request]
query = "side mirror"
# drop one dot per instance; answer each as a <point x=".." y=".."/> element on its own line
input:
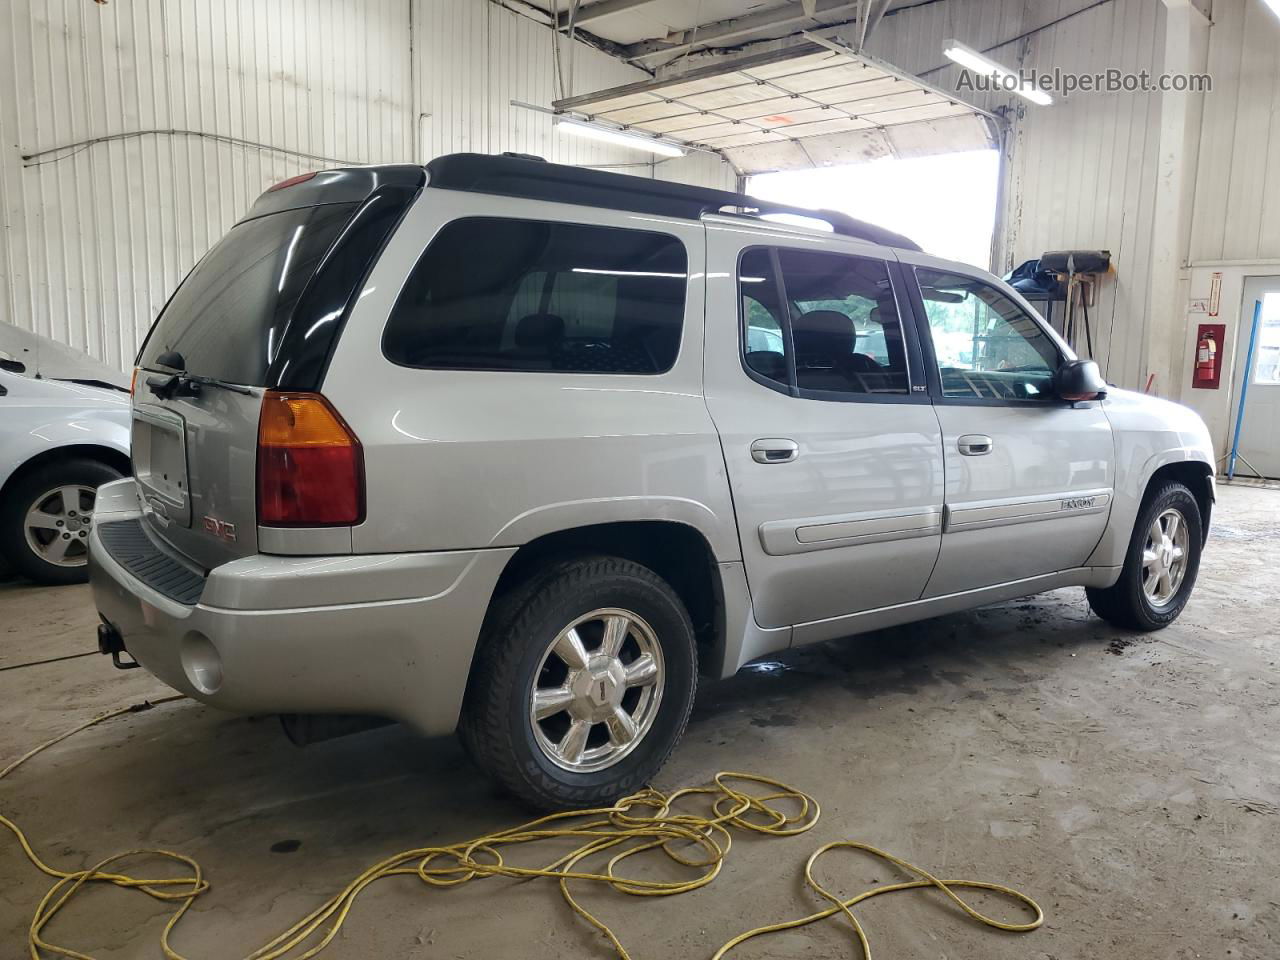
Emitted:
<point x="1078" y="380"/>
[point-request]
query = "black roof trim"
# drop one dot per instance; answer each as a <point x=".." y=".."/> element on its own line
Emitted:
<point x="533" y="179"/>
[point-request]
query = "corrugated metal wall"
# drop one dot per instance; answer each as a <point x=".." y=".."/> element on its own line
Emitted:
<point x="1080" y="173"/>
<point x="96" y="236"/>
<point x="1237" y="206"/>
<point x="465" y="100"/>
<point x="1237" y="201"/>
<point x="473" y="58"/>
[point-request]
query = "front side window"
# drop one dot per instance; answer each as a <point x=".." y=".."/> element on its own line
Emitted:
<point x="824" y="324"/>
<point x="496" y="294"/>
<point x="986" y="345"/>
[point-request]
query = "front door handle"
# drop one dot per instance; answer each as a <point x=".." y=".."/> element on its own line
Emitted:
<point x="774" y="450"/>
<point x="974" y="445"/>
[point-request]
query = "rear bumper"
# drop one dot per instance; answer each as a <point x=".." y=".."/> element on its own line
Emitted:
<point x="386" y="634"/>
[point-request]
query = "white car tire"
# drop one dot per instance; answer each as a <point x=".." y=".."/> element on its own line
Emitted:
<point x="46" y="517"/>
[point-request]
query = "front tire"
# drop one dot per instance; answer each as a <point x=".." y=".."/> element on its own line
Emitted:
<point x="46" y="517"/>
<point x="582" y="684"/>
<point x="1161" y="566"/>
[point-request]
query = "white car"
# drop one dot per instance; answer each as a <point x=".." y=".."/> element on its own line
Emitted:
<point x="59" y="441"/>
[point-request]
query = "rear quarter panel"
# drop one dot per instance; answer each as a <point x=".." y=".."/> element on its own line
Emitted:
<point x="473" y="459"/>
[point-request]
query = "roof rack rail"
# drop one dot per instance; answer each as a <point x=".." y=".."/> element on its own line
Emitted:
<point x="520" y="175"/>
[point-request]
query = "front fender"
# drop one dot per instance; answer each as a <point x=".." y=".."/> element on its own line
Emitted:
<point x="1149" y="434"/>
<point x="91" y="430"/>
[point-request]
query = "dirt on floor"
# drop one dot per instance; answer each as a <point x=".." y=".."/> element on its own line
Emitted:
<point x="1130" y="783"/>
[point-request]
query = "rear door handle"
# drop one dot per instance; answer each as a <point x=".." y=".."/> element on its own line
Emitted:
<point x="774" y="450"/>
<point x="974" y="445"/>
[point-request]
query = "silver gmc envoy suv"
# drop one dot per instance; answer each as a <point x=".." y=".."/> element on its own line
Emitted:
<point x="521" y="450"/>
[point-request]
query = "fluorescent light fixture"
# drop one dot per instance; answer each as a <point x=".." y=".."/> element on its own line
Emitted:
<point x="618" y="138"/>
<point x="966" y="56"/>
<point x="1274" y="5"/>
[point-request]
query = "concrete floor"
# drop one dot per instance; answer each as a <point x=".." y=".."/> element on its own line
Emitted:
<point x="1129" y="783"/>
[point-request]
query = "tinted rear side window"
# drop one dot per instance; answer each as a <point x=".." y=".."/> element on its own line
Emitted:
<point x="495" y="294"/>
<point x="229" y="316"/>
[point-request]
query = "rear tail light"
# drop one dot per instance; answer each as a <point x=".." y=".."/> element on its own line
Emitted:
<point x="133" y="382"/>
<point x="310" y="465"/>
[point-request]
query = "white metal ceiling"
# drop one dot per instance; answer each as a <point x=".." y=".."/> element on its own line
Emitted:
<point x="654" y="19"/>
<point x="801" y="107"/>
<point x="653" y="31"/>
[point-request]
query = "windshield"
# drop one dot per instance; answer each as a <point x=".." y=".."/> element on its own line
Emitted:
<point x="228" y="318"/>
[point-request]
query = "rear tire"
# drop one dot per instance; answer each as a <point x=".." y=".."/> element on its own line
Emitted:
<point x="542" y="712"/>
<point x="1153" y="588"/>
<point x="59" y="497"/>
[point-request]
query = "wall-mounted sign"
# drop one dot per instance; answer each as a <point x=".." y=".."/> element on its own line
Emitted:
<point x="1215" y="293"/>
<point x="1198" y="305"/>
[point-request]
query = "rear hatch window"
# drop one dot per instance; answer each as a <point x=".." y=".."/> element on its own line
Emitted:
<point x="263" y="310"/>
<point x="227" y="320"/>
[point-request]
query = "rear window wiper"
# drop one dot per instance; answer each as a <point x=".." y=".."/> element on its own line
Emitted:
<point x="188" y="385"/>
<point x="181" y="383"/>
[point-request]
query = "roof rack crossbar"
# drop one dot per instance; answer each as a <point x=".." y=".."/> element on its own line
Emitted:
<point x="531" y="178"/>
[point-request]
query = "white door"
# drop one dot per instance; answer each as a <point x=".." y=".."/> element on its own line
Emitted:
<point x="834" y="460"/>
<point x="1260" y="427"/>
<point x="1029" y="477"/>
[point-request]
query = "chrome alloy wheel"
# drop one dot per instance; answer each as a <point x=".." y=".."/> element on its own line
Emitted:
<point x="57" y="525"/>
<point x="1164" y="557"/>
<point x="597" y="690"/>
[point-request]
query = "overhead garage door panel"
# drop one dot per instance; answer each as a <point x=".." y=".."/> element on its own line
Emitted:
<point x="748" y="139"/>
<point x="905" y="115"/>
<point x="785" y="66"/>
<point x="906" y="140"/>
<point x="851" y="92"/>
<point x="644" y="113"/>
<point x="634" y="100"/>
<point x="763" y="108"/>
<point x="784" y="118"/>
<point x="842" y="75"/>
<point x="834" y="125"/>
<point x="723" y="97"/>
<point x="899" y="101"/>
<point x="757" y="110"/>
<point x="674" y="125"/>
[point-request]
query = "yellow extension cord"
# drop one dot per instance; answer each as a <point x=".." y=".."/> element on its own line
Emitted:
<point x="636" y="824"/>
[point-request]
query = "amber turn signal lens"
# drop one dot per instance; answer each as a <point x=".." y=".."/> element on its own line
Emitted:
<point x="301" y="420"/>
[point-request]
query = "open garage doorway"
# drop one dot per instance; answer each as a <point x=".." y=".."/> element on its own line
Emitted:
<point x="945" y="203"/>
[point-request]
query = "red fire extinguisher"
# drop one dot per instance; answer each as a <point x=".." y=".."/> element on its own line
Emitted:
<point x="1206" y="357"/>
